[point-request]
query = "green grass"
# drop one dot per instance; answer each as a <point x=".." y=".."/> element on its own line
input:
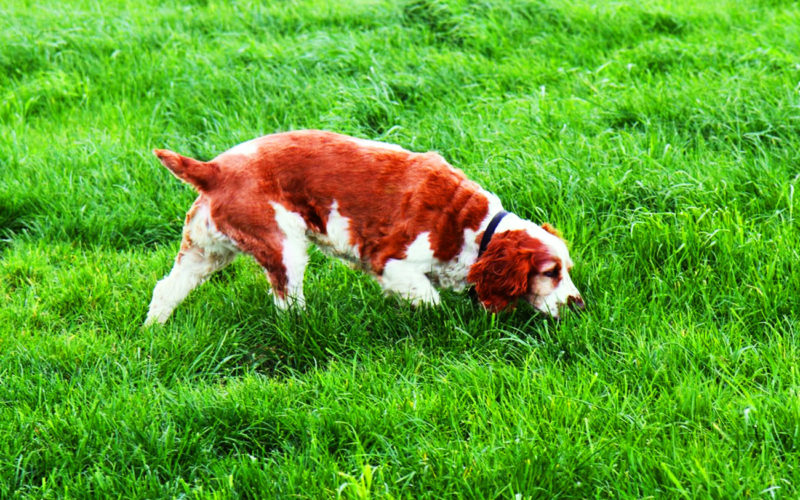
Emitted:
<point x="662" y="138"/>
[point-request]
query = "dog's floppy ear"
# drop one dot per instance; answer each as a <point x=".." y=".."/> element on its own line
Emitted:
<point x="501" y="275"/>
<point x="550" y="229"/>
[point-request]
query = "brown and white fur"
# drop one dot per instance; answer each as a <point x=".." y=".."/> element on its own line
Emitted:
<point x="409" y="219"/>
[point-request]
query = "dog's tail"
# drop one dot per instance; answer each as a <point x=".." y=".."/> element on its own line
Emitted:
<point x="202" y="175"/>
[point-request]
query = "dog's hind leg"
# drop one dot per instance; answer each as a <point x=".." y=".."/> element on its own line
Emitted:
<point x="285" y="267"/>
<point x="203" y="250"/>
<point x="276" y="238"/>
<point x="294" y="258"/>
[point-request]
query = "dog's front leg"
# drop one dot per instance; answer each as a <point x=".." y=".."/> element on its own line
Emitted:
<point x="407" y="276"/>
<point x="409" y="282"/>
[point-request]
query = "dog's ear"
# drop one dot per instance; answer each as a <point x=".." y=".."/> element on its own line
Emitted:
<point x="550" y="229"/>
<point x="501" y="275"/>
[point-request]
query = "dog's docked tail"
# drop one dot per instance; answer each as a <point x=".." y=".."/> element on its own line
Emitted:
<point x="202" y="175"/>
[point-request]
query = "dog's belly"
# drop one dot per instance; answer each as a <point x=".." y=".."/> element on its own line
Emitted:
<point x="330" y="247"/>
<point x="336" y="240"/>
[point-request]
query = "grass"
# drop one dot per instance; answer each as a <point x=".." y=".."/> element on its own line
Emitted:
<point x="662" y="138"/>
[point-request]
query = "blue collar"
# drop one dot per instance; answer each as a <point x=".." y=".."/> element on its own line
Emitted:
<point x="487" y="235"/>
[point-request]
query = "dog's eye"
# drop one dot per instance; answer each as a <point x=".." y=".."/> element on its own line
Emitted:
<point x="553" y="273"/>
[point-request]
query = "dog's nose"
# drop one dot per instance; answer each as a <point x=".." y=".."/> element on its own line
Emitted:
<point x="575" y="302"/>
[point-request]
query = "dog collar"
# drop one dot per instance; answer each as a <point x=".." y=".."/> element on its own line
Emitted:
<point x="487" y="235"/>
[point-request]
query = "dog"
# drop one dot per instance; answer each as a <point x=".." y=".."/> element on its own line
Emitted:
<point x="411" y="220"/>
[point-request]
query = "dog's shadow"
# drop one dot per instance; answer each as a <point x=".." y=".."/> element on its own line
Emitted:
<point x="347" y="317"/>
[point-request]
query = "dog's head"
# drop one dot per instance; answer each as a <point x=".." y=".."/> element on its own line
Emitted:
<point x="530" y="263"/>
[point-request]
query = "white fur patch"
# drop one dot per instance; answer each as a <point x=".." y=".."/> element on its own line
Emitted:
<point x="204" y="233"/>
<point x="336" y="240"/>
<point x="248" y="148"/>
<point x="207" y="250"/>
<point x="338" y="229"/>
<point x="408" y="277"/>
<point x="565" y="289"/>
<point x="366" y="143"/>
<point x="295" y="254"/>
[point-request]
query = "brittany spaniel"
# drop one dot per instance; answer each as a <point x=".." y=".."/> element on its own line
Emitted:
<point x="409" y="219"/>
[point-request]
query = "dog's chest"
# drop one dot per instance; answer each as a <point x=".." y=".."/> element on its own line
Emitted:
<point x="453" y="273"/>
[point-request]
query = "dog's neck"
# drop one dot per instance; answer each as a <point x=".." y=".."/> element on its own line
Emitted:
<point x="489" y="232"/>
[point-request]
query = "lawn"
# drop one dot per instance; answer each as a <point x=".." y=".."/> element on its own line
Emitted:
<point x="662" y="139"/>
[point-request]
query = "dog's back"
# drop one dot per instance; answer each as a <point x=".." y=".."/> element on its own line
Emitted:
<point x="372" y="184"/>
